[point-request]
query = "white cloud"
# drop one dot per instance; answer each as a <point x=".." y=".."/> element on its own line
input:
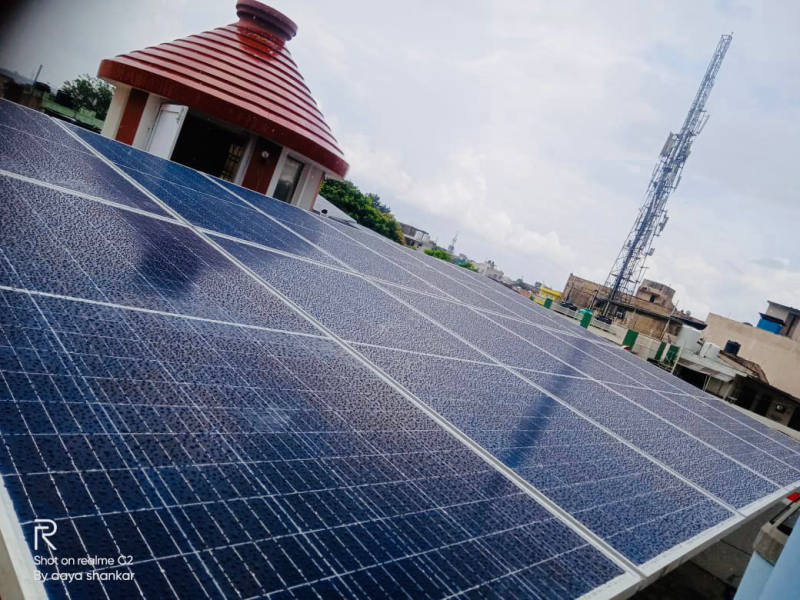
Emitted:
<point x="460" y="192"/>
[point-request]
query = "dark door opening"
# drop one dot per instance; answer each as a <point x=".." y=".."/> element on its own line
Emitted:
<point x="761" y="408"/>
<point x="288" y="180"/>
<point x="696" y="378"/>
<point x="209" y="148"/>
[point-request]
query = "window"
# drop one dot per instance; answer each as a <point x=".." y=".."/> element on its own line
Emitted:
<point x="288" y="180"/>
<point x="235" y="153"/>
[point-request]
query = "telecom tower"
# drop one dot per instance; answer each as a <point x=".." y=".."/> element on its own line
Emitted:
<point x="628" y="269"/>
<point x="452" y="247"/>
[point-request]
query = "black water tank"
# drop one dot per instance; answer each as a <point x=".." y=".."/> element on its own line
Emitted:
<point x="732" y="347"/>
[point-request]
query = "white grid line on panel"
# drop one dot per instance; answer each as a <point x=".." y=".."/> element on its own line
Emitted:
<point x="678" y="391"/>
<point x="157" y="312"/>
<point x="485" y="285"/>
<point x="63" y="190"/>
<point x="515" y="373"/>
<point x="279" y="222"/>
<point x="118" y="435"/>
<point x="657" y="416"/>
<point x="599" y="544"/>
<point x="33" y="135"/>
<point x="252" y="244"/>
<point x="655" y="391"/>
<point x="346" y="268"/>
<point x="185" y="505"/>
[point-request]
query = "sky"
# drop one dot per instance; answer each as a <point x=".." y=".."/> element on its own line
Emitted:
<point x="529" y="127"/>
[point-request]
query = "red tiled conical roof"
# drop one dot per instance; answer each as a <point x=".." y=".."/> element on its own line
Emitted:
<point x="242" y="74"/>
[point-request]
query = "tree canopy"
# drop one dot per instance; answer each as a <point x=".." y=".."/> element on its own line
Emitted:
<point x="439" y="253"/>
<point x="366" y="209"/>
<point x="90" y="93"/>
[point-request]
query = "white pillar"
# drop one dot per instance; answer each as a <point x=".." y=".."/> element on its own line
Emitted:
<point x="118" y="102"/>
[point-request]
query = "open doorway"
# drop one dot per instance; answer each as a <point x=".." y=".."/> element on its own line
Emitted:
<point x="209" y="147"/>
<point x="288" y="180"/>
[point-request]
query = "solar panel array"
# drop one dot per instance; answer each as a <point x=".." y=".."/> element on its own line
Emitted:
<point x="248" y="400"/>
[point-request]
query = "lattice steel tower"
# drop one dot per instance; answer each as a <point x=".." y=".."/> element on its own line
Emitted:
<point x="629" y="267"/>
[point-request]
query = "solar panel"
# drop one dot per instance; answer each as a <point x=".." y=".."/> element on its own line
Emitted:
<point x="242" y="399"/>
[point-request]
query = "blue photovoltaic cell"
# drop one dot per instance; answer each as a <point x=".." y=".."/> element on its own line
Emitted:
<point x="564" y="349"/>
<point x="349" y="305"/>
<point x="774" y="442"/>
<point x="561" y="454"/>
<point x="133" y="159"/>
<point x="484" y="334"/>
<point x="62" y="244"/>
<point x="61" y="165"/>
<point x="639" y="371"/>
<point x="286" y="213"/>
<point x="36" y="124"/>
<point x="713" y="434"/>
<point x="236" y="462"/>
<point x="698" y="463"/>
<point x="403" y="257"/>
<point x="222" y="213"/>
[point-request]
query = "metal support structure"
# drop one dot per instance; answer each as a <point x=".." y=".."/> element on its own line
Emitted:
<point x="628" y="269"/>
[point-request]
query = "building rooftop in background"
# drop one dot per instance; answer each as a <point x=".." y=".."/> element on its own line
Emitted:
<point x="229" y="102"/>
<point x="415" y="237"/>
<point x="781" y="319"/>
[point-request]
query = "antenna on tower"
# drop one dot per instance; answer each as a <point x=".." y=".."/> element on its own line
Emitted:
<point x="628" y="269"/>
<point x="452" y="247"/>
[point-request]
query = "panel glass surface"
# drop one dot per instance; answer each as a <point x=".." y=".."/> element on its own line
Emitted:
<point x="184" y="415"/>
<point x="563" y="455"/>
<point x="350" y="306"/>
<point x="62" y="244"/>
<point x="233" y="462"/>
<point x="700" y="464"/>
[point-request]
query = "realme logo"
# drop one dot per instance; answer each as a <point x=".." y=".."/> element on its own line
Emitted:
<point x="44" y="528"/>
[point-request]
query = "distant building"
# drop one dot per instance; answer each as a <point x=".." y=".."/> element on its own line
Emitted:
<point x="656" y="318"/>
<point x="782" y="320"/>
<point x="228" y="102"/>
<point x="777" y="355"/>
<point x="704" y="363"/>
<point x="490" y="270"/>
<point x="546" y="293"/>
<point x="416" y="238"/>
<point x="656" y="293"/>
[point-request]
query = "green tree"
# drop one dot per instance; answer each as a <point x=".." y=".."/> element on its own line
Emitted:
<point x="90" y="93"/>
<point x="376" y="202"/>
<point x="346" y="196"/>
<point x="439" y="253"/>
<point x="468" y="265"/>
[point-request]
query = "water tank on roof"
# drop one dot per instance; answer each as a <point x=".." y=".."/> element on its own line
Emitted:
<point x="688" y="338"/>
<point x="709" y="350"/>
<point x="732" y="347"/>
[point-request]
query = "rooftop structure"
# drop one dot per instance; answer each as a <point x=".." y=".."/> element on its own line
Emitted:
<point x="651" y="311"/>
<point x="229" y="102"/>
<point x="777" y="355"/>
<point x="781" y="319"/>
<point x="415" y="237"/>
